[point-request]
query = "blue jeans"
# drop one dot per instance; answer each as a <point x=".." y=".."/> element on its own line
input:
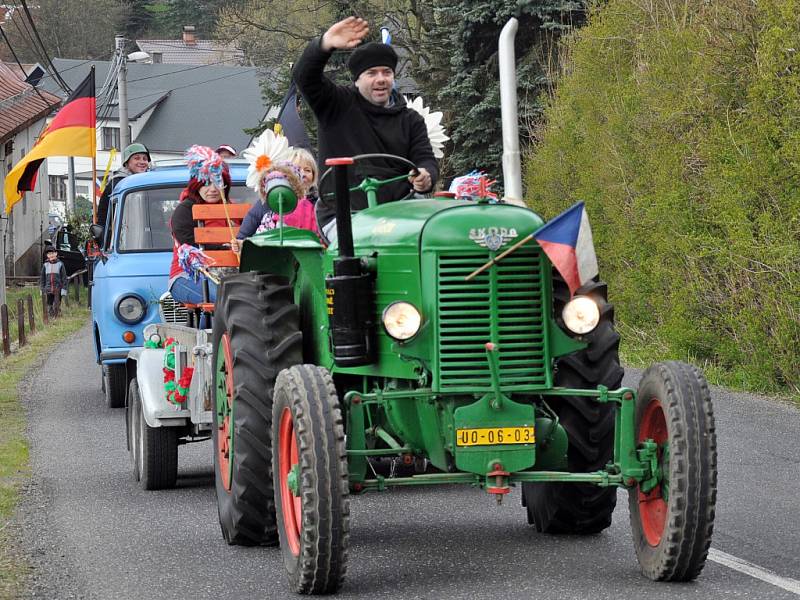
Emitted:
<point x="188" y="290"/>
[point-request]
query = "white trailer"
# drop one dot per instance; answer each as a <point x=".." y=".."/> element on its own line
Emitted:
<point x="155" y="427"/>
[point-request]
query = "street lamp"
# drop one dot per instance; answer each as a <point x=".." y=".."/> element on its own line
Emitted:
<point x="122" y="87"/>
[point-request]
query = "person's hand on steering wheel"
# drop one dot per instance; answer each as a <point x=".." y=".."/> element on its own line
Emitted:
<point x="420" y="179"/>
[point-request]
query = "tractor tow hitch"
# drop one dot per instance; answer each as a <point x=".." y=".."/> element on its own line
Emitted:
<point x="499" y="486"/>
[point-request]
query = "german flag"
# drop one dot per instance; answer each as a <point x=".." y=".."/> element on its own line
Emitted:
<point x="70" y="133"/>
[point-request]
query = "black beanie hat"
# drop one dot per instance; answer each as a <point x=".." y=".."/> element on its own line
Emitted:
<point x="373" y="54"/>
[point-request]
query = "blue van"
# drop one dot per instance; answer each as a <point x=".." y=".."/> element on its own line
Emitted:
<point x="129" y="280"/>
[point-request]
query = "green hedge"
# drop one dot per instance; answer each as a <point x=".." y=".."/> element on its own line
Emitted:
<point x="679" y="125"/>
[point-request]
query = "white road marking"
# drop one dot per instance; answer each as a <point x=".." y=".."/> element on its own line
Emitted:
<point x="737" y="564"/>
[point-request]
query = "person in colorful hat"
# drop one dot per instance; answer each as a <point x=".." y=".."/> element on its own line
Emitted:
<point x="301" y="168"/>
<point x="135" y="159"/>
<point x="209" y="178"/>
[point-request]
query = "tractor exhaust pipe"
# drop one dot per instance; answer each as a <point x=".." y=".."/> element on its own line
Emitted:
<point x="512" y="172"/>
<point x="349" y="291"/>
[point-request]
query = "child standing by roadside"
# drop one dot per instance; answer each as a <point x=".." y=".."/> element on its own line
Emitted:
<point x="53" y="281"/>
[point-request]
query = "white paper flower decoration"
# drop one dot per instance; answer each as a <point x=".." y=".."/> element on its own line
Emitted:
<point x="433" y="121"/>
<point x="266" y="150"/>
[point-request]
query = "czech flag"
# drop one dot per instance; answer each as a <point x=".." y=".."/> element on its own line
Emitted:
<point x="567" y="241"/>
<point x="70" y="133"/>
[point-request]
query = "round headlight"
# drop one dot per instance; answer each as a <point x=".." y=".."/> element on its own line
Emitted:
<point x="581" y="315"/>
<point x="401" y="320"/>
<point x="130" y="309"/>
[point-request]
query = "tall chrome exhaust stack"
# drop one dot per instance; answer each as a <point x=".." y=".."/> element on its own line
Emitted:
<point x="512" y="171"/>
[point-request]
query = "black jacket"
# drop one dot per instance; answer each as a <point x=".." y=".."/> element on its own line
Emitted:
<point x="349" y="125"/>
<point x="182" y="223"/>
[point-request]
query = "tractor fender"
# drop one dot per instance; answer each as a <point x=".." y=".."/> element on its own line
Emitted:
<point x="157" y="411"/>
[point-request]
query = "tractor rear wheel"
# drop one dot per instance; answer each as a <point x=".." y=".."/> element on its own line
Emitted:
<point x="577" y="508"/>
<point x="672" y="522"/>
<point x="309" y="465"/>
<point x="256" y="335"/>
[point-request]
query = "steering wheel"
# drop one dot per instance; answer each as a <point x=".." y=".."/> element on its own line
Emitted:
<point x="372" y="170"/>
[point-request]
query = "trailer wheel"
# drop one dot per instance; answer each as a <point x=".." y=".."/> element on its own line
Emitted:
<point x="571" y="507"/>
<point x="114" y="385"/>
<point x="256" y="335"/>
<point x="309" y="467"/>
<point x="155" y="449"/>
<point x="672" y="522"/>
<point x="132" y="428"/>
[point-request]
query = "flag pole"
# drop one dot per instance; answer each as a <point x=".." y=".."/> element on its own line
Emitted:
<point x="94" y="187"/>
<point x="499" y="257"/>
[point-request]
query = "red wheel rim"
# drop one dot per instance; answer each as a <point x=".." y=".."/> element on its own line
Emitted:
<point x="291" y="505"/>
<point x="224" y="437"/>
<point x="652" y="507"/>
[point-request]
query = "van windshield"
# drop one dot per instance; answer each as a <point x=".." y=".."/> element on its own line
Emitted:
<point x="144" y="223"/>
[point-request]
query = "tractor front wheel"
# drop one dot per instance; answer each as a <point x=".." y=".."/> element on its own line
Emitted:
<point x="673" y="516"/>
<point x="309" y="467"/>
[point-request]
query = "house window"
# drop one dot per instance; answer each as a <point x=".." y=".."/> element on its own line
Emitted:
<point x="157" y="59"/>
<point x="9" y="150"/>
<point x="110" y="138"/>
<point x="58" y="188"/>
<point x="82" y="190"/>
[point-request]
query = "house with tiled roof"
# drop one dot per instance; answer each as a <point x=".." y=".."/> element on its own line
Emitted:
<point x="23" y="112"/>
<point x="170" y="108"/>
<point x="189" y="50"/>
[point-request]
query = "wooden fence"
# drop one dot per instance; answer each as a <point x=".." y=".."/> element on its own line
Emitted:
<point x="23" y="313"/>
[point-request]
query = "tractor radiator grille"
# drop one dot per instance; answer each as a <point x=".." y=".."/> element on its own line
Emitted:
<point x="171" y="311"/>
<point x="503" y="305"/>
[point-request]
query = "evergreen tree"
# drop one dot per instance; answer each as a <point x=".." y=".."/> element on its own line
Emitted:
<point x="460" y="72"/>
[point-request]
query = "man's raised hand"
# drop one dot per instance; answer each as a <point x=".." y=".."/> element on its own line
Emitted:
<point x="347" y="33"/>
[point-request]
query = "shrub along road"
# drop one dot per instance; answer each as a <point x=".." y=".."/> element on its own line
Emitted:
<point x="91" y="532"/>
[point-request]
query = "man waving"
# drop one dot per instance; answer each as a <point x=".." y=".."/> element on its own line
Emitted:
<point x="367" y="117"/>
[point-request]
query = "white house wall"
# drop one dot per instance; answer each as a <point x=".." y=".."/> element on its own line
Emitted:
<point x="28" y="219"/>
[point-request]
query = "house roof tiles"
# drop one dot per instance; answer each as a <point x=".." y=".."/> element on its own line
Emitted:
<point x="20" y="104"/>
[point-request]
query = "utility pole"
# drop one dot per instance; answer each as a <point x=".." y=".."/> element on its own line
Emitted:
<point x="122" y="88"/>
<point x="70" y="208"/>
<point x="3" y="221"/>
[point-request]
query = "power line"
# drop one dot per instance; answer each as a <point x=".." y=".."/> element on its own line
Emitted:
<point x="56" y="74"/>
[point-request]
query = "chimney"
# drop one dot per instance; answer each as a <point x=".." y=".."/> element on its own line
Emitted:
<point x="188" y="35"/>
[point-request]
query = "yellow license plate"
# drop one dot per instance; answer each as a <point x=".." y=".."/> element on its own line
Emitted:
<point x="491" y="436"/>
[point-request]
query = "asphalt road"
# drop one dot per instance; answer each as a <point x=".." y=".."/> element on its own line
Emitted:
<point x="92" y="532"/>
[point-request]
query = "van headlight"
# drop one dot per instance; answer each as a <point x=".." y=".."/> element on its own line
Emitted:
<point x="401" y="320"/>
<point x="130" y="309"/>
<point x="581" y="315"/>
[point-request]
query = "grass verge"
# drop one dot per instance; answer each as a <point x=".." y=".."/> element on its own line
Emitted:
<point x="639" y="350"/>
<point x="14" y="467"/>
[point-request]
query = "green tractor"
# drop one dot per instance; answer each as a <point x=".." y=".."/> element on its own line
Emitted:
<point x="329" y="361"/>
